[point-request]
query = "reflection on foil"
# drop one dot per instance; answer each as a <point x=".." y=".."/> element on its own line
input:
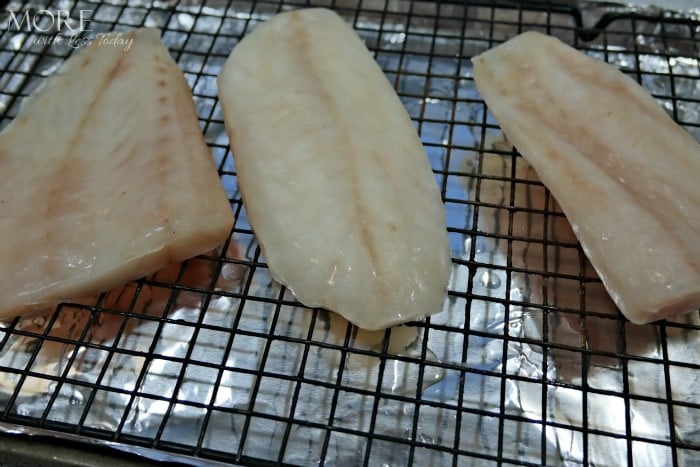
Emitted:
<point x="43" y="345"/>
<point x="549" y="245"/>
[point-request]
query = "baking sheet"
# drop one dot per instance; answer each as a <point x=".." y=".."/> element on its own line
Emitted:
<point x="529" y="361"/>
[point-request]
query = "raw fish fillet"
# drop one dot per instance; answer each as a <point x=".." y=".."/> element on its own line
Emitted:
<point x="104" y="177"/>
<point x="336" y="183"/>
<point x="626" y="176"/>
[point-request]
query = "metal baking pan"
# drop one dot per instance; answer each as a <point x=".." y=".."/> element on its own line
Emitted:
<point x="528" y="363"/>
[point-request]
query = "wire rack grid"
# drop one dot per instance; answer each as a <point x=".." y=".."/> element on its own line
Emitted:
<point x="528" y="363"/>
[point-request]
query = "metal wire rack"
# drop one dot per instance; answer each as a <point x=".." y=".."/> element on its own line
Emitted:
<point x="528" y="363"/>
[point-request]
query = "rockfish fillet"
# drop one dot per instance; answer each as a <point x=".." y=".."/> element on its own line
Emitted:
<point x="335" y="181"/>
<point x="625" y="174"/>
<point x="104" y="177"/>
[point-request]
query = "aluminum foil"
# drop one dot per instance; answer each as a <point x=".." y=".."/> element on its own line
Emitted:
<point x="511" y="367"/>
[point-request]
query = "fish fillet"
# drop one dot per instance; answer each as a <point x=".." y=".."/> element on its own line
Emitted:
<point x="626" y="176"/>
<point x="335" y="181"/>
<point x="104" y="177"/>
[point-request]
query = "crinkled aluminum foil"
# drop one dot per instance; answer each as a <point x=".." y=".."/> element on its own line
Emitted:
<point x="519" y="376"/>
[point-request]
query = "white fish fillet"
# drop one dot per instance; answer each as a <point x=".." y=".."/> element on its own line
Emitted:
<point x="104" y="177"/>
<point x="336" y="183"/>
<point x="626" y="176"/>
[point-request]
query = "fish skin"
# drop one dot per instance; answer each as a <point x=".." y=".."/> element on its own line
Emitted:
<point x="105" y="177"/>
<point x="625" y="174"/>
<point x="334" y="178"/>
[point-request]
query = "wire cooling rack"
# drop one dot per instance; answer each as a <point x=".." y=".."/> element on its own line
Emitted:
<point x="528" y="363"/>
